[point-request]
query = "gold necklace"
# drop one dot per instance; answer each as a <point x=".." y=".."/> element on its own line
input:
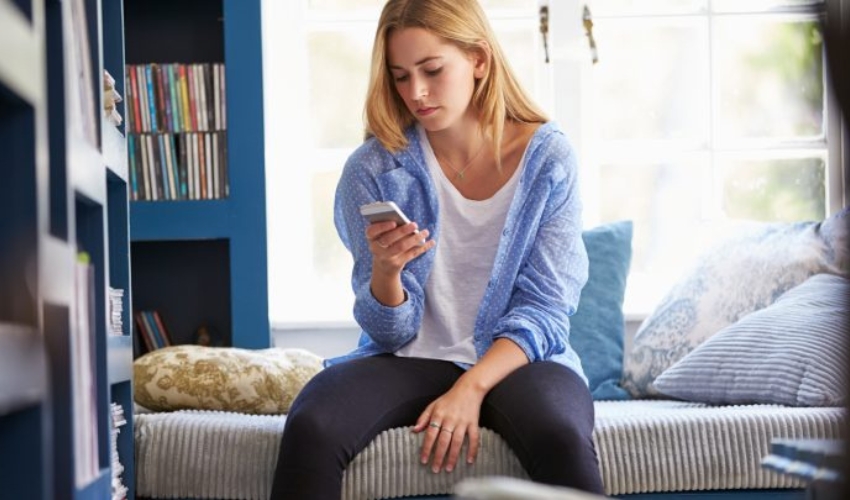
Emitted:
<point x="459" y="174"/>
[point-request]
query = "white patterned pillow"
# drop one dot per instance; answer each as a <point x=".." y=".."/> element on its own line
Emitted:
<point x="743" y="274"/>
<point x="262" y="381"/>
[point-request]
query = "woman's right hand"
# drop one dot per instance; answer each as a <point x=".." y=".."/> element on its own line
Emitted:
<point x="392" y="248"/>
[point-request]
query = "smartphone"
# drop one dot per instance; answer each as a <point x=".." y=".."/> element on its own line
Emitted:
<point x="383" y="210"/>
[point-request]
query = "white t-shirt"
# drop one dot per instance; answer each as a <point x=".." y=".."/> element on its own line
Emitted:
<point x="466" y="247"/>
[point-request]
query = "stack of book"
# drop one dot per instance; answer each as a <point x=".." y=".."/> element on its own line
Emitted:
<point x="116" y="311"/>
<point x="119" y="490"/>
<point x="176" y="125"/>
<point x="152" y="329"/>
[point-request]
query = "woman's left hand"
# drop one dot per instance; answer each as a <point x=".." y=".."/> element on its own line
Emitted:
<point x="447" y="421"/>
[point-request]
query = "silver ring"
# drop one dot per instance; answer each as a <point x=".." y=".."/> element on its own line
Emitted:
<point x="450" y="431"/>
<point x="381" y="244"/>
<point x="435" y="425"/>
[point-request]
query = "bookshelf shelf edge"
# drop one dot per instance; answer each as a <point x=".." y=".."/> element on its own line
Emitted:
<point x="180" y="220"/>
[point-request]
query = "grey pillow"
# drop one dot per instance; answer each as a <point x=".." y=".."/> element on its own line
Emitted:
<point x="793" y="352"/>
<point x="742" y="274"/>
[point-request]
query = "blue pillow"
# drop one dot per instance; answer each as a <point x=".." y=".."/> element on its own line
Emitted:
<point x="598" y="327"/>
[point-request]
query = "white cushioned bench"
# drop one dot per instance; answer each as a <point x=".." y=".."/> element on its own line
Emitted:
<point x="643" y="446"/>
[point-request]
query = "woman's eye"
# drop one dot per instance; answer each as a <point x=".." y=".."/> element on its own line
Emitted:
<point x="401" y="79"/>
<point x="433" y="72"/>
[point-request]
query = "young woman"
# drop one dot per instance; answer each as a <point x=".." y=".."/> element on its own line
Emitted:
<point x="465" y="310"/>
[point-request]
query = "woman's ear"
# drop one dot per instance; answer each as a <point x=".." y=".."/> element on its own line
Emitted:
<point x="482" y="57"/>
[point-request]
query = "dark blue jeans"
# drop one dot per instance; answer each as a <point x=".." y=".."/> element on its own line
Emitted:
<point x="543" y="411"/>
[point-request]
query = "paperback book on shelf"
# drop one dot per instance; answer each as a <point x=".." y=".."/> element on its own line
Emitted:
<point x="116" y="311"/>
<point x="82" y="360"/>
<point x="119" y="489"/>
<point x="78" y="70"/>
<point x="152" y="330"/>
<point x="177" y="139"/>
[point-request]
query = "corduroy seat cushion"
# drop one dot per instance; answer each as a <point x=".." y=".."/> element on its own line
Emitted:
<point x="643" y="446"/>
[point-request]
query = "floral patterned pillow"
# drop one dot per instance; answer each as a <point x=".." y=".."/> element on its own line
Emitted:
<point x="262" y="381"/>
<point x="742" y="275"/>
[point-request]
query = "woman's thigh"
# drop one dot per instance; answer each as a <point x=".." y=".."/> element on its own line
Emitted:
<point x="545" y="413"/>
<point x="355" y="400"/>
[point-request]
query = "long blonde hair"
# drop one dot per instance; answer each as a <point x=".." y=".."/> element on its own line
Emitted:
<point x="498" y="95"/>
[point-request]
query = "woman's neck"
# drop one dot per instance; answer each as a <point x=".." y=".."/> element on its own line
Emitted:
<point x="458" y="145"/>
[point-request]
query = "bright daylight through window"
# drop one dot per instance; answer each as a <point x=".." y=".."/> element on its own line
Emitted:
<point x="696" y="114"/>
<point x="700" y="114"/>
<point x="318" y="69"/>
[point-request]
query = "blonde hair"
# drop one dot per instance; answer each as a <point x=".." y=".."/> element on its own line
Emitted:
<point x="497" y="97"/>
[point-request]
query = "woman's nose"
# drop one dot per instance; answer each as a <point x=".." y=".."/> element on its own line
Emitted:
<point x="419" y="89"/>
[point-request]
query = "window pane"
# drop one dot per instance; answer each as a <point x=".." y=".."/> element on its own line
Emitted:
<point x="339" y="75"/>
<point x="312" y="280"/>
<point x="330" y="259"/>
<point x="780" y="190"/>
<point x="633" y="7"/>
<point x="651" y="80"/>
<point x="343" y="5"/>
<point x="665" y="202"/>
<point x="769" y="79"/>
<point x="760" y="5"/>
<point x="520" y="49"/>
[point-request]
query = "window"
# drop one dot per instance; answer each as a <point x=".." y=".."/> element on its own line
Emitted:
<point x="316" y="63"/>
<point x="699" y="114"/>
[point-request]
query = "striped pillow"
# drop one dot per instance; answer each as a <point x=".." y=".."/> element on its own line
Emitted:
<point x="793" y="352"/>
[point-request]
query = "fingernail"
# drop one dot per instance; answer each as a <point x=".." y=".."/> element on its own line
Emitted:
<point x="435" y="469"/>
<point x="423" y="460"/>
<point x="449" y="468"/>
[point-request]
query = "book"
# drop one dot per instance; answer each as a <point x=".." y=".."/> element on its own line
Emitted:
<point x="119" y="490"/>
<point x="84" y="376"/>
<point x="152" y="330"/>
<point x="79" y="73"/>
<point x="176" y="131"/>
<point x="116" y="311"/>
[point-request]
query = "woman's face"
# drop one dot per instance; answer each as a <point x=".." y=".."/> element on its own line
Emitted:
<point x="434" y="78"/>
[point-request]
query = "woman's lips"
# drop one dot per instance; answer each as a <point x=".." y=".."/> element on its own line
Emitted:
<point x="425" y="111"/>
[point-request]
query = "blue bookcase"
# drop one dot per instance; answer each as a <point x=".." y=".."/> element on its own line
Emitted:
<point x="63" y="192"/>
<point x="204" y="262"/>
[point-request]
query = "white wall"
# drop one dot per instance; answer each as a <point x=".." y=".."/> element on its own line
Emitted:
<point x="326" y="342"/>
